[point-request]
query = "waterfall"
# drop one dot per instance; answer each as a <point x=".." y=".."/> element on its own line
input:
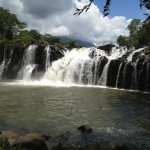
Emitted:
<point x="47" y="60"/>
<point x="135" y="74"/>
<point x="82" y="66"/>
<point x="28" y="63"/>
<point x="69" y="69"/>
<point x="103" y="78"/>
<point x="5" y="63"/>
<point x="9" y="60"/>
<point x="2" y="68"/>
<point x="118" y="75"/>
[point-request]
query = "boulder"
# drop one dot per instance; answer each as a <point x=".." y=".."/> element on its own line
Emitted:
<point x="10" y="136"/>
<point x="85" y="129"/>
<point x="111" y="145"/>
<point x="32" y="141"/>
<point x="107" y="48"/>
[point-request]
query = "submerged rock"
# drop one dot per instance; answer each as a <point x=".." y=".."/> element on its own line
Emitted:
<point x="85" y="129"/>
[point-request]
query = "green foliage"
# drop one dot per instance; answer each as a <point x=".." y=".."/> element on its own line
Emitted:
<point x="71" y="43"/>
<point x="29" y="36"/>
<point x="9" y="24"/>
<point x="51" y="39"/>
<point x="134" y="26"/>
<point x="144" y="33"/>
<point x="139" y="34"/>
<point x="122" y="40"/>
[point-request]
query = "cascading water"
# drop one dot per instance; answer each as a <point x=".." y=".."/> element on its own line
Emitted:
<point x="28" y="63"/>
<point x="116" y="67"/>
<point x="5" y="63"/>
<point x="47" y="61"/>
<point x="80" y="66"/>
<point x="2" y="68"/>
<point x="103" y="78"/>
<point x="118" y="74"/>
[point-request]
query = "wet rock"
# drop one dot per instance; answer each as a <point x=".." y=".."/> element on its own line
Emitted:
<point x="107" y="48"/>
<point x="128" y="75"/>
<point x="112" y="72"/>
<point x="111" y="145"/>
<point x="147" y="50"/>
<point x="66" y="147"/>
<point x="32" y="141"/>
<point x="85" y="129"/>
<point x="101" y="64"/>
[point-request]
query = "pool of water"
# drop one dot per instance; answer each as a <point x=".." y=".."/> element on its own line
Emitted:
<point x="35" y="107"/>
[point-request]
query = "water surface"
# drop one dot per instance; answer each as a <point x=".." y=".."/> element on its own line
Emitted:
<point x="115" y="114"/>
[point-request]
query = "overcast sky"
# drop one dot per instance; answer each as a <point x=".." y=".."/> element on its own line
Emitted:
<point x="56" y="17"/>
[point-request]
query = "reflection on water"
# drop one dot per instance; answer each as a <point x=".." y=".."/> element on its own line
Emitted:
<point x="115" y="114"/>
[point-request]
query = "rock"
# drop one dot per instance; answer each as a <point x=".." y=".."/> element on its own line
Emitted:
<point x="111" y="145"/>
<point x="10" y="135"/>
<point x="112" y="72"/>
<point x="32" y="141"/>
<point x="101" y="64"/>
<point x="147" y="50"/>
<point x="66" y="147"/>
<point x="107" y="48"/>
<point x="127" y="77"/>
<point x="85" y="129"/>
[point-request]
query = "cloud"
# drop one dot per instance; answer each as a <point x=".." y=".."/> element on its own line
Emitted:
<point x="56" y="18"/>
<point x="45" y="8"/>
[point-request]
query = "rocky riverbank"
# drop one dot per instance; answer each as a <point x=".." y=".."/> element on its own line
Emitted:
<point x="10" y="140"/>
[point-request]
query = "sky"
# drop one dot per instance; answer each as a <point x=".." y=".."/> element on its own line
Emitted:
<point x="56" y="17"/>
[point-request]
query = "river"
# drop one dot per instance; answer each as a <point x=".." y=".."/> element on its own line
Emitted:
<point x="39" y="107"/>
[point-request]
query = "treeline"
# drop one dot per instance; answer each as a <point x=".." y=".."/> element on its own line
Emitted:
<point x="139" y="34"/>
<point x="12" y="31"/>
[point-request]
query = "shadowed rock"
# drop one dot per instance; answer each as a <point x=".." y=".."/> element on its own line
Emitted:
<point x="32" y="141"/>
<point x="85" y="129"/>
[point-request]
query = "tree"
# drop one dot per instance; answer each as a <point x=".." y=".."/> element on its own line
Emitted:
<point x="9" y="24"/>
<point x="106" y="10"/>
<point x="134" y="26"/>
<point x="51" y="39"/>
<point x="144" y="33"/>
<point x="139" y="34"/>
<point x="122" y="40"/>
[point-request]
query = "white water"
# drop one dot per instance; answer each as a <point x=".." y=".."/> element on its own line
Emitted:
<point x="118" y="74"/>
<point x="2" y="68"/>
<point x="77" y="67"/>
<point x="103" y="78"/>
<point x="47" y="61"/>
<point x="28" y="63"/>
<point x="5" y="63"/>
